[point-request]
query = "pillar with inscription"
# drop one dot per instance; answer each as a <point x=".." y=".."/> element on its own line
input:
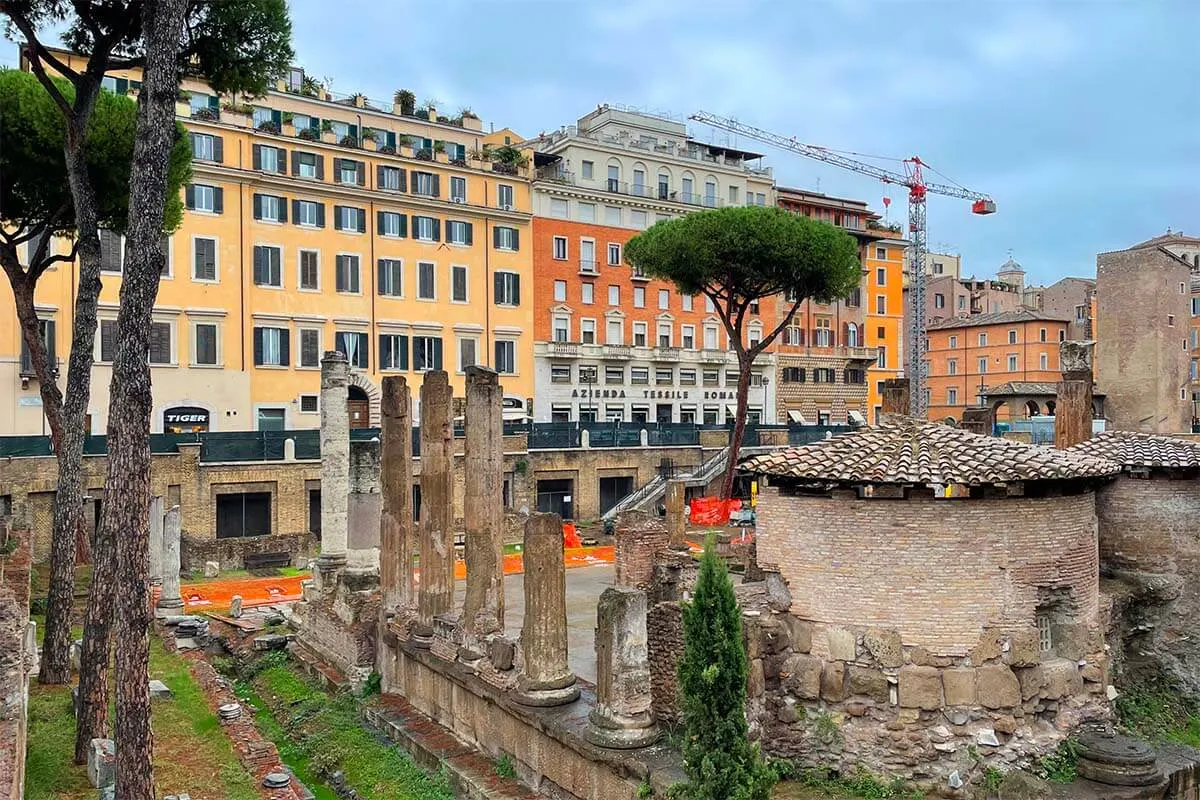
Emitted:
<point x="546" y="679"/>
<point x="1073" y="405"/>
<point x="622" y="718"/>
<point x="483" y="503"/>
<point x="895" y="396"/>
<point x="436" y="593"/>
<point x="169" y="598"/>
<point x="396" y="541"/>
<point x="335" y="462"/>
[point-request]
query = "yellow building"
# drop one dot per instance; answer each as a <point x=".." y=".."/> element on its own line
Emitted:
<point x="885" y="267"/>
<point x="313" y="223"/>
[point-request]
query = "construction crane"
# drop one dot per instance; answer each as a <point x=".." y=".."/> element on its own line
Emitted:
<point x="913" y="178"/>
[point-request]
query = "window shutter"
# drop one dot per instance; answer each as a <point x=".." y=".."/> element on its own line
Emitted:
<point x="364" y="349"/>
<point x="516" y="282"/>
<point x="496" y="238"/>
<point x="845" y="333"/>
<point x="403" y="180"/>
<point x="802" y="333"/>
<point x="337" y="218"/>
<point x="258" y="347"/>
<point x="516" y="234"/>
<point x="189" y="195"/>
<point x="218" y="199"/>
<point x="49" y="339"/>
<point x="384" y="361"/>
<point x="470" y="232"/>
<point x="214" y="102"/>
<point x="337" y="169"/>
<point x="283" y="209"/>
<point x="218" y="149"/>
<point x="362" y="219"/>
<point x="437" y="186"/>
<point x="437" y="229"/>
<point x="497" y="287"/>
<point x="257" y="204"/>
<point x="320" y="167"/>
<point x="340" y="272"/>
<point x="256" y="156"/>
<point x="379" y="222"/>
<point x="402" y="352"/>
<point x="437" y="353"/>
<point x="259" y="267"/>
<point x="296" y="211"/>
<point x="295" y="166"/>
<point x="404" y="225"/>
<point x="362" y="174"/>
<point x="379" y="277"/>
<point x="379" y="177"/>
<point x="285" y="346"/>
<point x="281" y="160"/>
<point x="320" y="215"/>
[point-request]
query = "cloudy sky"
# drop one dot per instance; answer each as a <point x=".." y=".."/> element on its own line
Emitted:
<point x="1081" y="119"/>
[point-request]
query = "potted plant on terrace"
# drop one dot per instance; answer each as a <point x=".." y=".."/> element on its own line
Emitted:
<point x="406" y="102"/>
<point x="439" y="151"/>
<point x="403" y="141"/>
<point x="288" y="126"/>
<point x="308" y="135"/>
<point x="370" y="139"/>
<point x="327" y="133"/>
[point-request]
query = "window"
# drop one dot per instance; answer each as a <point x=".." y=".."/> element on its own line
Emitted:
<point x="1012" y="363"/>
<point x="161" y="349"/>
<point x="614" y="254"/>
<point x="353" y="345"/>
<point x="639" y="182"/>
<point x="504" y="195"/>
<point x="587" y="168"/>
<point x="982" y="366"/>
<point x="687" y="377"/>
<point x="687" y="302"/>
<point x="204" y="259"/>
<point x="562" y="329"/>
<point x="614" y="295"/>
<point x="962" y="302"/>
<point x="1045" y="634"/>
<point x="390" y="179"/>
<point x="881" y="255"/>
<point x="711" y="377"/>
<point x="349" y="171"/>
<point x="309" y="403"/>
<point x="506" y="238"/>
<point x="687" y="338"/>
<point x="852" y="335"/>
<point x="560" y="373"/>
<point x="822" y="334"/>
<point x="880" y="304"/>
<point x="587" y="293"/>
<point x="793" y="375"/>
<point x="309" y="213"/>
<point x="270" y="208"/>
<point x="270" y="347"/>
<point x="506" y="357"/>
<point x="427" y="229"/>
<point x="881" y="358"/>
<point x="733" y="195"/>
<point x="308" y="165"/>
<point x="347" y="274"/>
<point x="710" y="193"/>
<point x="391" y="277"/>
<point x="393" y="351"/>
<point x="1044" y="361"/>
<point x="201" y="197"/>
<point x="639" y="334"/>
<point x="953" y="341"/>
<point x="560" y="248"/>
<point x="426" y="281"/>
<point x="560" y="291"/>
<point x="507" y="289"/>
<point x="425" y="183"/>
<point x="107" y="340"/>
<point x="664" y="298"/>
<point x="205" y="344"/>
<point x="587" y="373"/>
<point x="612" y="215"/>
<point x="664" y="377"/>
<point x="458" y="284"/>
<point x="586" y="212"/>
<point x="639" y="297"/>
<point x="1171" y="320"/>
<point x="458" y="189"/>
<point x="710" y="337"/>
<point x="952" y="366"/>
<point x="639" y="376"/>
<point x="614" y="178"/>
<point x="391" y="223"/>
<point x="686" y="186"/>
<point x="587" y="331"/>
<point x="243" y="514"/>
<point x="268" y="265"/>
<point x="614" y="375"/>
<point x="760" y="199"/>
<point x="467" y="346"/>
<point x="1012" y="336"/>
<point x="427" y="353"/>
<point x="349" y="219"/>
<point x="310" y="348"/>
<point x="664" y="334"/>
<point x="559" y="208"/>
<point x="952" y="396"/>
<point x="614" y="332"/>
<point x="310" y="270"/>
<point x="793" y="335"/>
<point x="855" y="376"/>
<point x="637" y="219"/>
<point x="206" y="147"/>
<point x="939" y="300"/>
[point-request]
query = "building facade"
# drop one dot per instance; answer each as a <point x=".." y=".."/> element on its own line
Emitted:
<point x="969" y="355"/>
<point x="1069" y="297"/>
<point x="887" y="268"/>
<point x="611" y="344"/>
<point x="312" y="223"/>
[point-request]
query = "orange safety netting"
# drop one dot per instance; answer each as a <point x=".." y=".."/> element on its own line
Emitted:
<point x="712" y="510"/>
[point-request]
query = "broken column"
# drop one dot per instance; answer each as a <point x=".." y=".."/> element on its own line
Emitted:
<point x="622" y="718"/>
<point x="396" y="541"/>
<point x="436" y="594"/>
<point x="895" y="396"/>
<point x="676" y="519"/>
<point x="483" y="515"/>
<point x="335" y="461"/>
<point x="156" y="539"/>
<point x="1073" y="405"/>
<point x="169" y="599"/>
<point x="546" y="680"/>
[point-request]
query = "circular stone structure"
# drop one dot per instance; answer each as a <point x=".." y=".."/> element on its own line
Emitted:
<point x="1112" y="758"/>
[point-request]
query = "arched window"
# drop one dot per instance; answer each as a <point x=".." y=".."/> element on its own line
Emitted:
<point x="687" y="188"/>
<point x="852" y="335"/>
<point x="664" y="183"/>
<point x="614" y="175"/>
<point x="638" y="186"/>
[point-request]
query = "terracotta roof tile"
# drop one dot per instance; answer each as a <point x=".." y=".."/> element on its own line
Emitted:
<point x="903" y="450"/>
<point x="1131" y="449"/>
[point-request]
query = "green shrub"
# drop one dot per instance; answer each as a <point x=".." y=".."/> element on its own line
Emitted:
<point x="504" y="766"/>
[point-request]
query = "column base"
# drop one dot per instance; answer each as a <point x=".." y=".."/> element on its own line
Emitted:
<point x="167" y="608"/>
<point x="544" y="694"/>
<point x="331" y="561"/>
<point x="627" y="733"/>
<point x="421" y="636"/>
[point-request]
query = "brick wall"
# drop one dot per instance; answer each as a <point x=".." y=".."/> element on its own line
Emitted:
<point x="936" y="571"/>
<point x="18" y="657"/>
<point x="638" y="537"/>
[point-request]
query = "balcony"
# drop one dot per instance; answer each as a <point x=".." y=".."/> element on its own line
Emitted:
<point x="563" y="349"/>
<point x="639" y="275"/>
<point x="861" y="353"/>
<point x="587" y="266"/>
<point x="617" y="352"/>
<point x="666" y="353"/>
<point x="713" y="356"/>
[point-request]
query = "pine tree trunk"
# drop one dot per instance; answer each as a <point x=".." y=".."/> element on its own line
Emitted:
<point x="745" y="360"/>
<point x="128" y="484"/>
<point x="92" y="719"/>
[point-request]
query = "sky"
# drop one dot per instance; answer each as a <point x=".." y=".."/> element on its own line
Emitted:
<point x="1081" y="119"/>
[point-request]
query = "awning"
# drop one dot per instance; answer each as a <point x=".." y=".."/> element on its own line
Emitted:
<point x="796" y="416"/>
<point x="857" y="418"/>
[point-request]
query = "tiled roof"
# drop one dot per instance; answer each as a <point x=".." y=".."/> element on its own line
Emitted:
<point x="1010" y="388"/>
<point x="903" y="450"/>
<point x="1131" y="449"/>
<point x="999" y="318"/>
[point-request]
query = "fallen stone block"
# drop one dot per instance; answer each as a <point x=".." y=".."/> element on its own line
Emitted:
<point x="211" y="569"/>
<point x="102" y="763"/>
<point x="270" y="641"/>
<point x="160" y="691"/>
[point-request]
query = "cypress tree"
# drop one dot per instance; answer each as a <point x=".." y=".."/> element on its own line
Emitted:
<point x="720" y="761"/>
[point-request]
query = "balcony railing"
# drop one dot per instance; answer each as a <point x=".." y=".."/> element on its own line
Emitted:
<point x="666" y="353"/>
<point x="587" y="266"/>
<point x="564" y="349"/>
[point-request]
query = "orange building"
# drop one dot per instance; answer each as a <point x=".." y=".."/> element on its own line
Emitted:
<point x="886" y="270"/>
<point x="968" y="356"/>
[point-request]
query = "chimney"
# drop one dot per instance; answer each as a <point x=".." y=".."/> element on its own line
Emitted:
<point x="1073" y="406"/>
<point x="895" y="396"/>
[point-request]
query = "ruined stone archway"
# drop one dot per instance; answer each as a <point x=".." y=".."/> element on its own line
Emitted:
<point x="367" y="387"/>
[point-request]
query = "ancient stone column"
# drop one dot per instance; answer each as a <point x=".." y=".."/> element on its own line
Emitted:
<point x="676" y="519"/>
<point x="546" y="680"/>
<point x="1073" y="405"/>
<point x="396" y="541"/>
<point x="335" y="460"/>
<point x="622" y="718"/>
<point x="483" y="513"/>
<point x="437" y="501"/>
<point x="169" y="599"/>
<point x="895" y="396"/>
<point x="156" y="539"/>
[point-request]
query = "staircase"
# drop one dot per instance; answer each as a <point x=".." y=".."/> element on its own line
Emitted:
<point x="645" y="498"/>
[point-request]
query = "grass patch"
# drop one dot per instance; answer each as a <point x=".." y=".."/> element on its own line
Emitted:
<point x="1061" y="765"/>
<point x="817" y="783"/>
<point x="197" y="576"/>
<point x="191" y="752"/>
<point x="1158" y="711"/>
<point x="319" y="733"/>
